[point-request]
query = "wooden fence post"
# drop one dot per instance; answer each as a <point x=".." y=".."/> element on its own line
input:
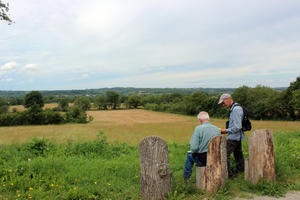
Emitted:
<point x="261" y="162"/>
<point x="214" y="175"/>
<point x="155" y="177"/>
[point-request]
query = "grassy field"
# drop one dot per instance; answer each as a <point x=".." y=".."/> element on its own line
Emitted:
<point x="76" y="162"/>
<point x="129" y="126"/>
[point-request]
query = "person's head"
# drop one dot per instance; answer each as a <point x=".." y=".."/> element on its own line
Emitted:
<point x="226" y="100"/>
<point x="203" y="117"/>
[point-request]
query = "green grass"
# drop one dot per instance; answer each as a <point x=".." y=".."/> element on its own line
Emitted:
<point x="98" y="170"/>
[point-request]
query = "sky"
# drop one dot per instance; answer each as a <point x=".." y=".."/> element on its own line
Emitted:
<point x="63" y="44"/>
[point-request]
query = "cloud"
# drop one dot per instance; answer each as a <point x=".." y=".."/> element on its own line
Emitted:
<point x="150" y="43"/>
<point x="30" y="69"/>
<point x="8" y="68"/>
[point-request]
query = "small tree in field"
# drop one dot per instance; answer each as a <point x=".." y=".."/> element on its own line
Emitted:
<point x="113" y="99"/>
<point x="134" y="101"/>
<point x="100" y="102"/>
<point x="63" y="104"/>
<point x="82" y="103"/>
<point x="34" y="97"/>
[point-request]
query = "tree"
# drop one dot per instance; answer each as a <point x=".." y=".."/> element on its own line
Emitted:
<point x="4" y="8"/>
<point x="63" y="104"/>
<point x="100" y="102"/>
<point x="241" y="95"/>
<point x="34" y="97"/>
<point x="113" y="99"/>
<point x="3" y="106"/>
<point x="292" y="97"/>
<point x="134" y="101"/>
<point x="82" y="103"/>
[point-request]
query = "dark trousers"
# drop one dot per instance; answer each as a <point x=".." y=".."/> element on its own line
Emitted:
<point x="191" y="159"/>
<point x="236" y="148"/>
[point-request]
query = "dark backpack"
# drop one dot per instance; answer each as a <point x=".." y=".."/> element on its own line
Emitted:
<point x="246" y="124"/>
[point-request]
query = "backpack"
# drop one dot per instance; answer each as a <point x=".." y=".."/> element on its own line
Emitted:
<point x="246" y="124"/>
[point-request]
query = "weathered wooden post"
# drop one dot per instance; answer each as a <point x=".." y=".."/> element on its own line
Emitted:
<point x="261" y="162"/>
<point x="155" y="177"/>
<point x="214" y="175"/>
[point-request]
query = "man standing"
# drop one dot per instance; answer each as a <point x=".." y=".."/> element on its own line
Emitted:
<point x="203" y="133"/>
<point x="235" y="133"/>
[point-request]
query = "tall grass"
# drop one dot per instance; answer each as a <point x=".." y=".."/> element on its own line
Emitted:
<point x="97" y="169"/>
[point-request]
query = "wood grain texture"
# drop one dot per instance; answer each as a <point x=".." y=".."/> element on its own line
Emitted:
<point x="215" y="173"/>
<point x="156" y="176"/>
<point x="261" y="164"/>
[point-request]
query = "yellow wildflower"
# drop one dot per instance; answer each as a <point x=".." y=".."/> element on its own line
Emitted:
<point x="11" y="184"/>
<point x="30" y="189"/>
<point x="10" y="171"/>
<point x="52" y="185"/>
<point x="109" y="184"/>
<point x="19" y="195"/>
<point x="136" y="176"/>
<point x="75" y="188"/>
<point x="3" y="185"/>
<point x="95" y="182"/>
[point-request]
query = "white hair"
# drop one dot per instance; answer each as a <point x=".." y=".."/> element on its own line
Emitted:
<point x="203" y="116"/>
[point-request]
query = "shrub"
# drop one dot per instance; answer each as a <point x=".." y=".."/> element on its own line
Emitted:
<point x="52" y="117"/>
<point x="76" y="114"/>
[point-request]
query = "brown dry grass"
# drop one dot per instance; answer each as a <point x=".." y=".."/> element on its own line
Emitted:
<point x="129" y="126"/>
<point x="21" y="107"/>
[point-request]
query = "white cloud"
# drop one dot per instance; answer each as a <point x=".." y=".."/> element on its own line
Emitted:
<point x="8" y="68"/>
<point x="151" y="43"/>
<point x="30" y="69"/>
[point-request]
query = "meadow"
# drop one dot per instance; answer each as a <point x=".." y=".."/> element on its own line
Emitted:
<point x="129" y="126"/>
<point x="100" y="160"/>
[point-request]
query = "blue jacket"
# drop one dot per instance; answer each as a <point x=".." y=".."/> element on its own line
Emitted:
<point x="202" y="136"/>
<point x="234" y="130"/>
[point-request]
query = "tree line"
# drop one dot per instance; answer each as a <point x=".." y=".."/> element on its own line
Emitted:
<point x="261" y="102"/>
<point x="36" y="115"/>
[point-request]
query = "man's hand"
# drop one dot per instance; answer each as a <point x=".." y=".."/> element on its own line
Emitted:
<point x="223" y="131"/>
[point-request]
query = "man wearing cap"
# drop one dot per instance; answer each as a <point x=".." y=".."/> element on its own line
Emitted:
<point x="202" y="135"/>
<point x="234" y="132"/>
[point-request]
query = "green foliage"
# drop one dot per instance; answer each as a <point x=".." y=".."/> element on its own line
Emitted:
<point x="100" y="102"/>
<point x="52" y="117"/>
<point x="4" y="8"/>
<point x="112" y="99"/>
<point x="100" y="170"/>
<point x="3" y="106"/>
<point x="63" y="104"/>
<point x="33" y="98"/>
<point x="82" y="103"/>
<point x="75" y="114"/>
<point x="134" y="101"/>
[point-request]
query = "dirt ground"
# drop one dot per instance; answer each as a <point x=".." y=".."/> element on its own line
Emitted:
<point x="291" y="195"/>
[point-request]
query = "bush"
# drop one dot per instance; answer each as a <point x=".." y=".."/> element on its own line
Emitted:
<point x="52" y="117"/>
<point x="77" y="115"/>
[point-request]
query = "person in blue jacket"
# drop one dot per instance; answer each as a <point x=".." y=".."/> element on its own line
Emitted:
<point x="202" y="135"/>
<point x="235" y="134"/>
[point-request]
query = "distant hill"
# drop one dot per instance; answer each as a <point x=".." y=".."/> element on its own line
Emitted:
<point x="123" y="91"/>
